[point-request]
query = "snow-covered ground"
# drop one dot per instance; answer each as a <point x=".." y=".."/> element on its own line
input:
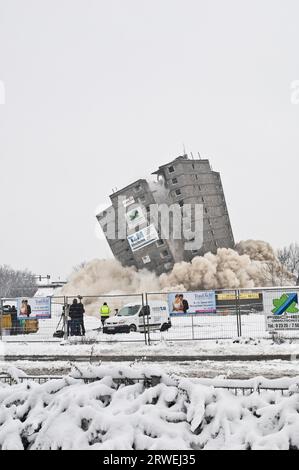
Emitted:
<point x="191" y="367"/>
<point x="203" y="369"/>
<point x="77" y="346"/>
<point x="177" y="413"/>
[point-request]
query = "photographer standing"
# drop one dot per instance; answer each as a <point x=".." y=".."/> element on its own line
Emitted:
<point x="82" y="316"/>
<point x="77" y="321"/>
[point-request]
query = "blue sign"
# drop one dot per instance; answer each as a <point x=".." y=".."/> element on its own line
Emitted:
<point x="287" y="303"/>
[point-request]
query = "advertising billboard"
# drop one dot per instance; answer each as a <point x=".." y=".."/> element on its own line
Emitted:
<point x="281" y="310"/>
<point x="143" y="238"/>
<point x="35" y="307"/>
<point x="128" y="201"/>
<point x="248" y="301"/>
<point x="135" y="217"/>
<point x="185" y="303"/>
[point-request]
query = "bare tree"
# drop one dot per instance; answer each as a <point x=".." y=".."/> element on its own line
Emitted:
<point x="15" y="283"/>
<point x="76" y="269"/>
<point x="289" y="258"/>
<point x="79" y="266"/>
<point x="276" y="274"/>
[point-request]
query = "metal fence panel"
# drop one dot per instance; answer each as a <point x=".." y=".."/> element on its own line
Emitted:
<point x="11" y="331"/>
<point x="223" y="324"/>
<point x="14" y="329"/>
<point x="239" y="312"/>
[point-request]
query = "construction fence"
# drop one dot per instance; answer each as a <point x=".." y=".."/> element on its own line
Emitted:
<point x="154" y="316"/>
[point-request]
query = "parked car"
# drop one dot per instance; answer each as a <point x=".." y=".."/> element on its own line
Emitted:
<point x="6" y="308"/>
<point x="134" y="317"/>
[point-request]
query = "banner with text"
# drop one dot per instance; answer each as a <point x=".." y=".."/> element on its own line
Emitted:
<point x="35" y="307"/>
<point x="143" y="237"/>
<point x="186" y="303"/>
<point x="281" y="310"/>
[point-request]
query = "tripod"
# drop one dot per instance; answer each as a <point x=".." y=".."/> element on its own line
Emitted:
<point x="60" y="333"/>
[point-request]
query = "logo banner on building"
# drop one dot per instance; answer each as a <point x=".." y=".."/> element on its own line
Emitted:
<point x="128" y="201"/>
<point x="143" y="237"/>
<point x="281" y="310"/>
<point x="191" y="303"/>
<point x="40" y="307"/>
<point x="135" y="217"/>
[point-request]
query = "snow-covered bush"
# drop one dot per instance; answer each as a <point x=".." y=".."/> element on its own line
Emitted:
<point x="72" y="413"/>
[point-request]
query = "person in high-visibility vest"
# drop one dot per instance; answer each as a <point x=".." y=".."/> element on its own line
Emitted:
<point x="105" y="312"/>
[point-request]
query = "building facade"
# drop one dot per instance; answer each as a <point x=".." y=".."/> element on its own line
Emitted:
<point x="139" y="238"/>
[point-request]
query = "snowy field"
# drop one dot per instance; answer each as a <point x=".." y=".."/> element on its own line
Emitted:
<point x="176" y="413"/>
<point x="190" y="367"/>
<point x="81" y="346"/>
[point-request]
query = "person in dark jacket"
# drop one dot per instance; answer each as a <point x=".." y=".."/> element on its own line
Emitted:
<point x="25" y="309"/>
<point x="28" y="307"/>
<point x="14" y="319"/>
<point x="82" y="318"/>
<point x="77" y="322"/>
<point x="184" y="303"/>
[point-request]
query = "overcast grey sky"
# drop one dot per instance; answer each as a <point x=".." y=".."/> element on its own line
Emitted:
<point x="101" y="92"/>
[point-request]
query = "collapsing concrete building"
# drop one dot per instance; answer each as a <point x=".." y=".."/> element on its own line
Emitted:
<point x="135" y="233"/>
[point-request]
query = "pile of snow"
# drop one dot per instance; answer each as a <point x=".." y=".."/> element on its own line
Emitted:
<point x="175" y="413"/>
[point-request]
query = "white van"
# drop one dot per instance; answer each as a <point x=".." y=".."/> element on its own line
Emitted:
<point x="131" y="317"/>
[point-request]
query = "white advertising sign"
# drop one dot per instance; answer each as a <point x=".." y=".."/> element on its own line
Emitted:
<point x="143" y="237"/>
<point x="135" y="217"/>
<point x="127" y="202"/>
<point x="40" y="307"/>
<point x="281" y="310"/>
<point x="191" y="303"/>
